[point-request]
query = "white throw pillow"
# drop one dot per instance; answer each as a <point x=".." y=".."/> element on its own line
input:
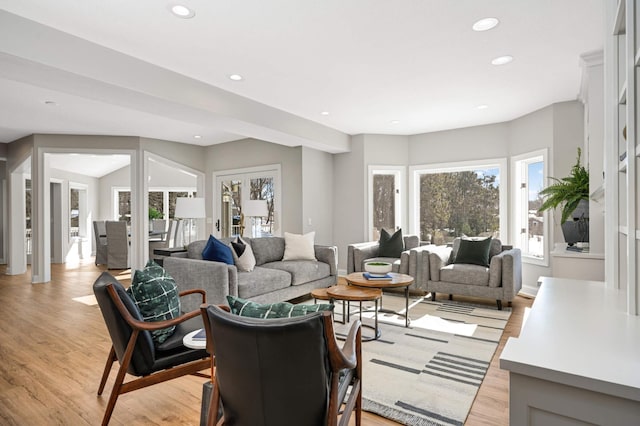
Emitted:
<point x="299" y="247"/>
<point x="243" y="255"/>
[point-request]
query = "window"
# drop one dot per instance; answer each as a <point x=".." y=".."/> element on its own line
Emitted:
<point x="163" y="200"/>
<point x="247" y="202"/>
<point x="530" y="227"/>
<point x="385" y="199"/>
<point x="462" y="199"/>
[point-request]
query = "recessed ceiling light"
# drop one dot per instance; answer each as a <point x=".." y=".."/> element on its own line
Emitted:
<point x="485" y="24"/>
<point x="235" y="77"/>
<point x="182" y="11"/>
<point x="324" y="113"/>
<point x="197" y="137"/>
<point x="395" y="121"/>
<point x="51" y="103"/>
<point x="483" y="106"/>
<point x="501" y="60"/>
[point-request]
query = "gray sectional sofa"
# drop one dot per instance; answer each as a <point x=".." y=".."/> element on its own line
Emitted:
<point x="272" y="280"/>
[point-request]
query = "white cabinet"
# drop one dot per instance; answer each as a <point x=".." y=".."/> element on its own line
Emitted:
<point x="576" y="359"/>
<point x="622" y="54"/>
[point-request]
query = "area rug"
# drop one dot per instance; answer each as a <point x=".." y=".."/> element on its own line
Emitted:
<point x="429" y="373"/>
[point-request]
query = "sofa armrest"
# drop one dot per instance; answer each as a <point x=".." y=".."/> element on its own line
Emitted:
<point x="217" y="279"/>
<point x="438" y="258"/>
<point x="416" y="265"/>
<point x="328" y="255"/>
<point x="510" y="262"/>
<point x="358" y="252"/>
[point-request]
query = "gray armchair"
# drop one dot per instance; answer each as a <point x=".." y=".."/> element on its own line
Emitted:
<point x="500" y="281"/>
<point x="408" y="263"/>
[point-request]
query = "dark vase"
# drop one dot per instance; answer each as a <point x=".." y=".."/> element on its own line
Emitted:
<point x="576" y="229"/>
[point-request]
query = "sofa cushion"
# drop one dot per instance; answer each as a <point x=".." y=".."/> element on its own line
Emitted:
<point x="247" y="308"/>
<point x="243" y="255"/>
<point x="194" y="250"/>
<point x="463" y="273"/>
<point x="299" y="247"/>
<point x="262" y="280"/>
<point x="473" y="251"/>
<point x="391" y="245"/>
<point x="302" y="271"/>
<point x="217" y="251"/>
<point x="156" y="295"/>
<point x="267" y="249"/>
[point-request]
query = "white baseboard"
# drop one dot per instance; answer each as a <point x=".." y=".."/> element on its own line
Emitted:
<point x="528" y="291"/>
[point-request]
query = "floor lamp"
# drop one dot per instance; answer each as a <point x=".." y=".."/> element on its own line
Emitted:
<point x="190" y="209"/>
<point x="253" y="209"/>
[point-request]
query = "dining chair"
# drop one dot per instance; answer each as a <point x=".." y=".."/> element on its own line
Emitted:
<point x="100" y="235"/>
<point x="117" y="245"/>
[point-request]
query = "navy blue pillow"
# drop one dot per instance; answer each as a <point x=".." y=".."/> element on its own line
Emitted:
<point x="218" y="251"/>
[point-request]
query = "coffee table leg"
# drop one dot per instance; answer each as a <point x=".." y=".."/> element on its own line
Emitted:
<point x="376" y="329"/>
<point x="406" y="306"/>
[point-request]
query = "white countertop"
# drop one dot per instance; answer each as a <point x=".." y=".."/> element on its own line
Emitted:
<point x="578" y="334"/>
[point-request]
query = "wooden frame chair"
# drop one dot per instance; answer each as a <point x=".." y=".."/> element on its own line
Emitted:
<point x="285" y="371"/>
<point x="133" y="347"/>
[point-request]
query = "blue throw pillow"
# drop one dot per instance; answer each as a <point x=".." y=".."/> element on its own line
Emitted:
<point x="218" y="251"/>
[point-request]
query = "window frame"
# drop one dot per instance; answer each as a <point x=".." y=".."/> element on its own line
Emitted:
<point x="518" y="203"/>
<point x="460" y="166"/>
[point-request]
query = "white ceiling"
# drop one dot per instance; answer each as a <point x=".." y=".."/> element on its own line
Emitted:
<point x="366" y="62"/>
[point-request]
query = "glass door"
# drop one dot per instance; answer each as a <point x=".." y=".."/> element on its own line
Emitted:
<point x="246" y="203"/>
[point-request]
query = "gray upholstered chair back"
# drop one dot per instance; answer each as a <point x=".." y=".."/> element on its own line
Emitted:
<point x="117" y="245"/>
<point x="100" y="235"/>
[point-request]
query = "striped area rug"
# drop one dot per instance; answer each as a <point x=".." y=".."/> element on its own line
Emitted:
<point x="429" y="373"/>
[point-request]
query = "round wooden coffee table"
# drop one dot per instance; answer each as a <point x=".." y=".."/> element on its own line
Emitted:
<point x="357" y="294"/>
<point x="396" y="281"/>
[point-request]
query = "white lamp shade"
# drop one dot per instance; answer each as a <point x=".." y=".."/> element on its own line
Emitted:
<point x="190" y="208"/>
<point x="255" y="208"/>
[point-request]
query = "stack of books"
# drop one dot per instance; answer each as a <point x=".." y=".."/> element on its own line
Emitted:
<point x="381" y="277"/>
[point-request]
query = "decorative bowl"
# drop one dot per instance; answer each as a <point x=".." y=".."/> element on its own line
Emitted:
<point x="377" y="267"/>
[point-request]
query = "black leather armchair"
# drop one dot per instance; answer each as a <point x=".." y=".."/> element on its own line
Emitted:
<point x="286" y="371"/>
<point x="135" y="350"/>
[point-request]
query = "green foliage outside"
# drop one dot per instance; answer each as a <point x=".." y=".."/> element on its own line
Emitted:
<point x="453" y="204"/>
<point x="154" y="213"/>
<point x="568" y="191"/>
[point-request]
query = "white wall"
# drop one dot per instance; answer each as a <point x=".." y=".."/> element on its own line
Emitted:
<point x="317" y="194"/>
<point x="349" y="187"/>
<point x="251" y="153"/>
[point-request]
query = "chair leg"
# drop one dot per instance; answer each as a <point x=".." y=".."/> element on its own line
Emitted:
<point x="499" y="304"/>
<point x="107" y="369"/>
<point x="115" y="392"/>
<point x="450" y="296"/>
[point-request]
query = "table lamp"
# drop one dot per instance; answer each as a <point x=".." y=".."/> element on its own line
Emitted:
<point x="189" y="209"/>
<point x="253" y="209"/>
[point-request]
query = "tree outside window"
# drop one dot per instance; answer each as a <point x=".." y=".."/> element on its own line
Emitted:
<point x="459" y="203"/>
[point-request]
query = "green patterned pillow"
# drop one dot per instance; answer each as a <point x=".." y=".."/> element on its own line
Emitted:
<point x="156" y="295"/>
<point x="247" y="308"/>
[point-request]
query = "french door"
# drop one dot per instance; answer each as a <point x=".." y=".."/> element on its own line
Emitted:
<point x="247" y="202"/>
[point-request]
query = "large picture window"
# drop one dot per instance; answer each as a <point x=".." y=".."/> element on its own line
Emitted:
<point x="454" y="200"/>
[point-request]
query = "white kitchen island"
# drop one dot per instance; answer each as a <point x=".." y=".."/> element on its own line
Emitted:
<point x="577" y="359"/>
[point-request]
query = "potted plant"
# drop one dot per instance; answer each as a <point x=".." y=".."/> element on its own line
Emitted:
<point x="571" y="193"/>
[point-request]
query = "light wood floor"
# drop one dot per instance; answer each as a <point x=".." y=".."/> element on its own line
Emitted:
<point x="53" y="350"/>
